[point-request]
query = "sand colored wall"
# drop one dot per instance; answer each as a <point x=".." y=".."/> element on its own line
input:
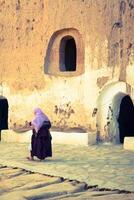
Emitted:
<point x="106" y="30"/>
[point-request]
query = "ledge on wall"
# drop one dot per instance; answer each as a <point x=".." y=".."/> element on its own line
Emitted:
<point x="83" y="139"/>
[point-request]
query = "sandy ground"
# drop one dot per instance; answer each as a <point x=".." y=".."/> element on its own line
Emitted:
<point x="107" y="166"/>
<point x="20" y="184"/>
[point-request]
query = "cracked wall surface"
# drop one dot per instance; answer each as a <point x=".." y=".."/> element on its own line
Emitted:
<point x="106" y="28"/>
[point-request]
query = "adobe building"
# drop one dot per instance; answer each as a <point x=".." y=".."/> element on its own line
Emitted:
<point x="72" y="58"/>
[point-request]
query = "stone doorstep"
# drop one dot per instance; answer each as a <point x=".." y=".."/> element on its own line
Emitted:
<point x="129" y="143"/>
<point x="83" y="139"/>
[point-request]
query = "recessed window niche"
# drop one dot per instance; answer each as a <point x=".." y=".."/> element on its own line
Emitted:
<point x="65" y="54"/>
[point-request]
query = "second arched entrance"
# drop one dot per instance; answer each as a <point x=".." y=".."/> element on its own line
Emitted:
<point x="126" y="118"/>
<point x="115" y="116"/>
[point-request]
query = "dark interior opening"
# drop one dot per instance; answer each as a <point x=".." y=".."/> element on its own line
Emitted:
<point x="126" y="118"/>
<point x="68" y="54"/>
<point x="3" y="114"/>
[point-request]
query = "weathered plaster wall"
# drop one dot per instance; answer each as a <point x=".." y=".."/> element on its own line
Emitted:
<point x="26" y="27"/>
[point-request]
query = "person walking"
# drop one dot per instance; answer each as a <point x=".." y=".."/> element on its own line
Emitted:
<point x="41" y="138"/>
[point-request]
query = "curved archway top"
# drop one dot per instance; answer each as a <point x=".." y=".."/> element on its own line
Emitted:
<point x="66" y="37"/>
<point x="112" y="89"/>
<point x="72" y="30"/>
<point x="118" y="97"/>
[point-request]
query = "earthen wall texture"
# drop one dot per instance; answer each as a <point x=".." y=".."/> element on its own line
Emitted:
<point x="106" y="28"/>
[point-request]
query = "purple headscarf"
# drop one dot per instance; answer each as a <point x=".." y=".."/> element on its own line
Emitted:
<point x="40" y="117"/>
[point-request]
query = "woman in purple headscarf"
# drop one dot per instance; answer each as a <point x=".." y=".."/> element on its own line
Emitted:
<point x="41" y="138"/>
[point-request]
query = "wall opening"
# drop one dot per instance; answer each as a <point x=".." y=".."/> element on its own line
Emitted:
<point x="126" y="118"/>
<point x="65" y="53"/>
<point x="68" y="53"/>
<point x="3" y="114"/>
<point x="114" y="107"/>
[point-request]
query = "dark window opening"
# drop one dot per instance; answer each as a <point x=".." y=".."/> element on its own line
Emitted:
<point x="126" y="118"/>
<point x="68" y="54"/>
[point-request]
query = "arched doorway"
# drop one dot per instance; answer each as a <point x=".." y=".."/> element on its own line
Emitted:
<point x="109" y="108"/>
<point x="68" y="54"/>
<point x="126" y="118"/>
<point x="3" y="114"/>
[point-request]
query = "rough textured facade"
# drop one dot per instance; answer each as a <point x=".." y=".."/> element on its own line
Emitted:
<point x="31" y="35"/>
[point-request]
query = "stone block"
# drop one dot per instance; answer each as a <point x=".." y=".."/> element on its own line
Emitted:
<point x="91" y="138"/>
<point x="129" y="143"/>
<point x="70" y="138"/>
<point x="58" y="137"/>
<point x="12" y="136"/>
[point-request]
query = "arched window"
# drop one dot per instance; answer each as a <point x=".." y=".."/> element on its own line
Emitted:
<point x="68" y="54"/>
<point x="65" y="53"/>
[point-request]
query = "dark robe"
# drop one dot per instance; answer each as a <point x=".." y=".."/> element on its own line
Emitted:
<point x="41" y="142"/>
